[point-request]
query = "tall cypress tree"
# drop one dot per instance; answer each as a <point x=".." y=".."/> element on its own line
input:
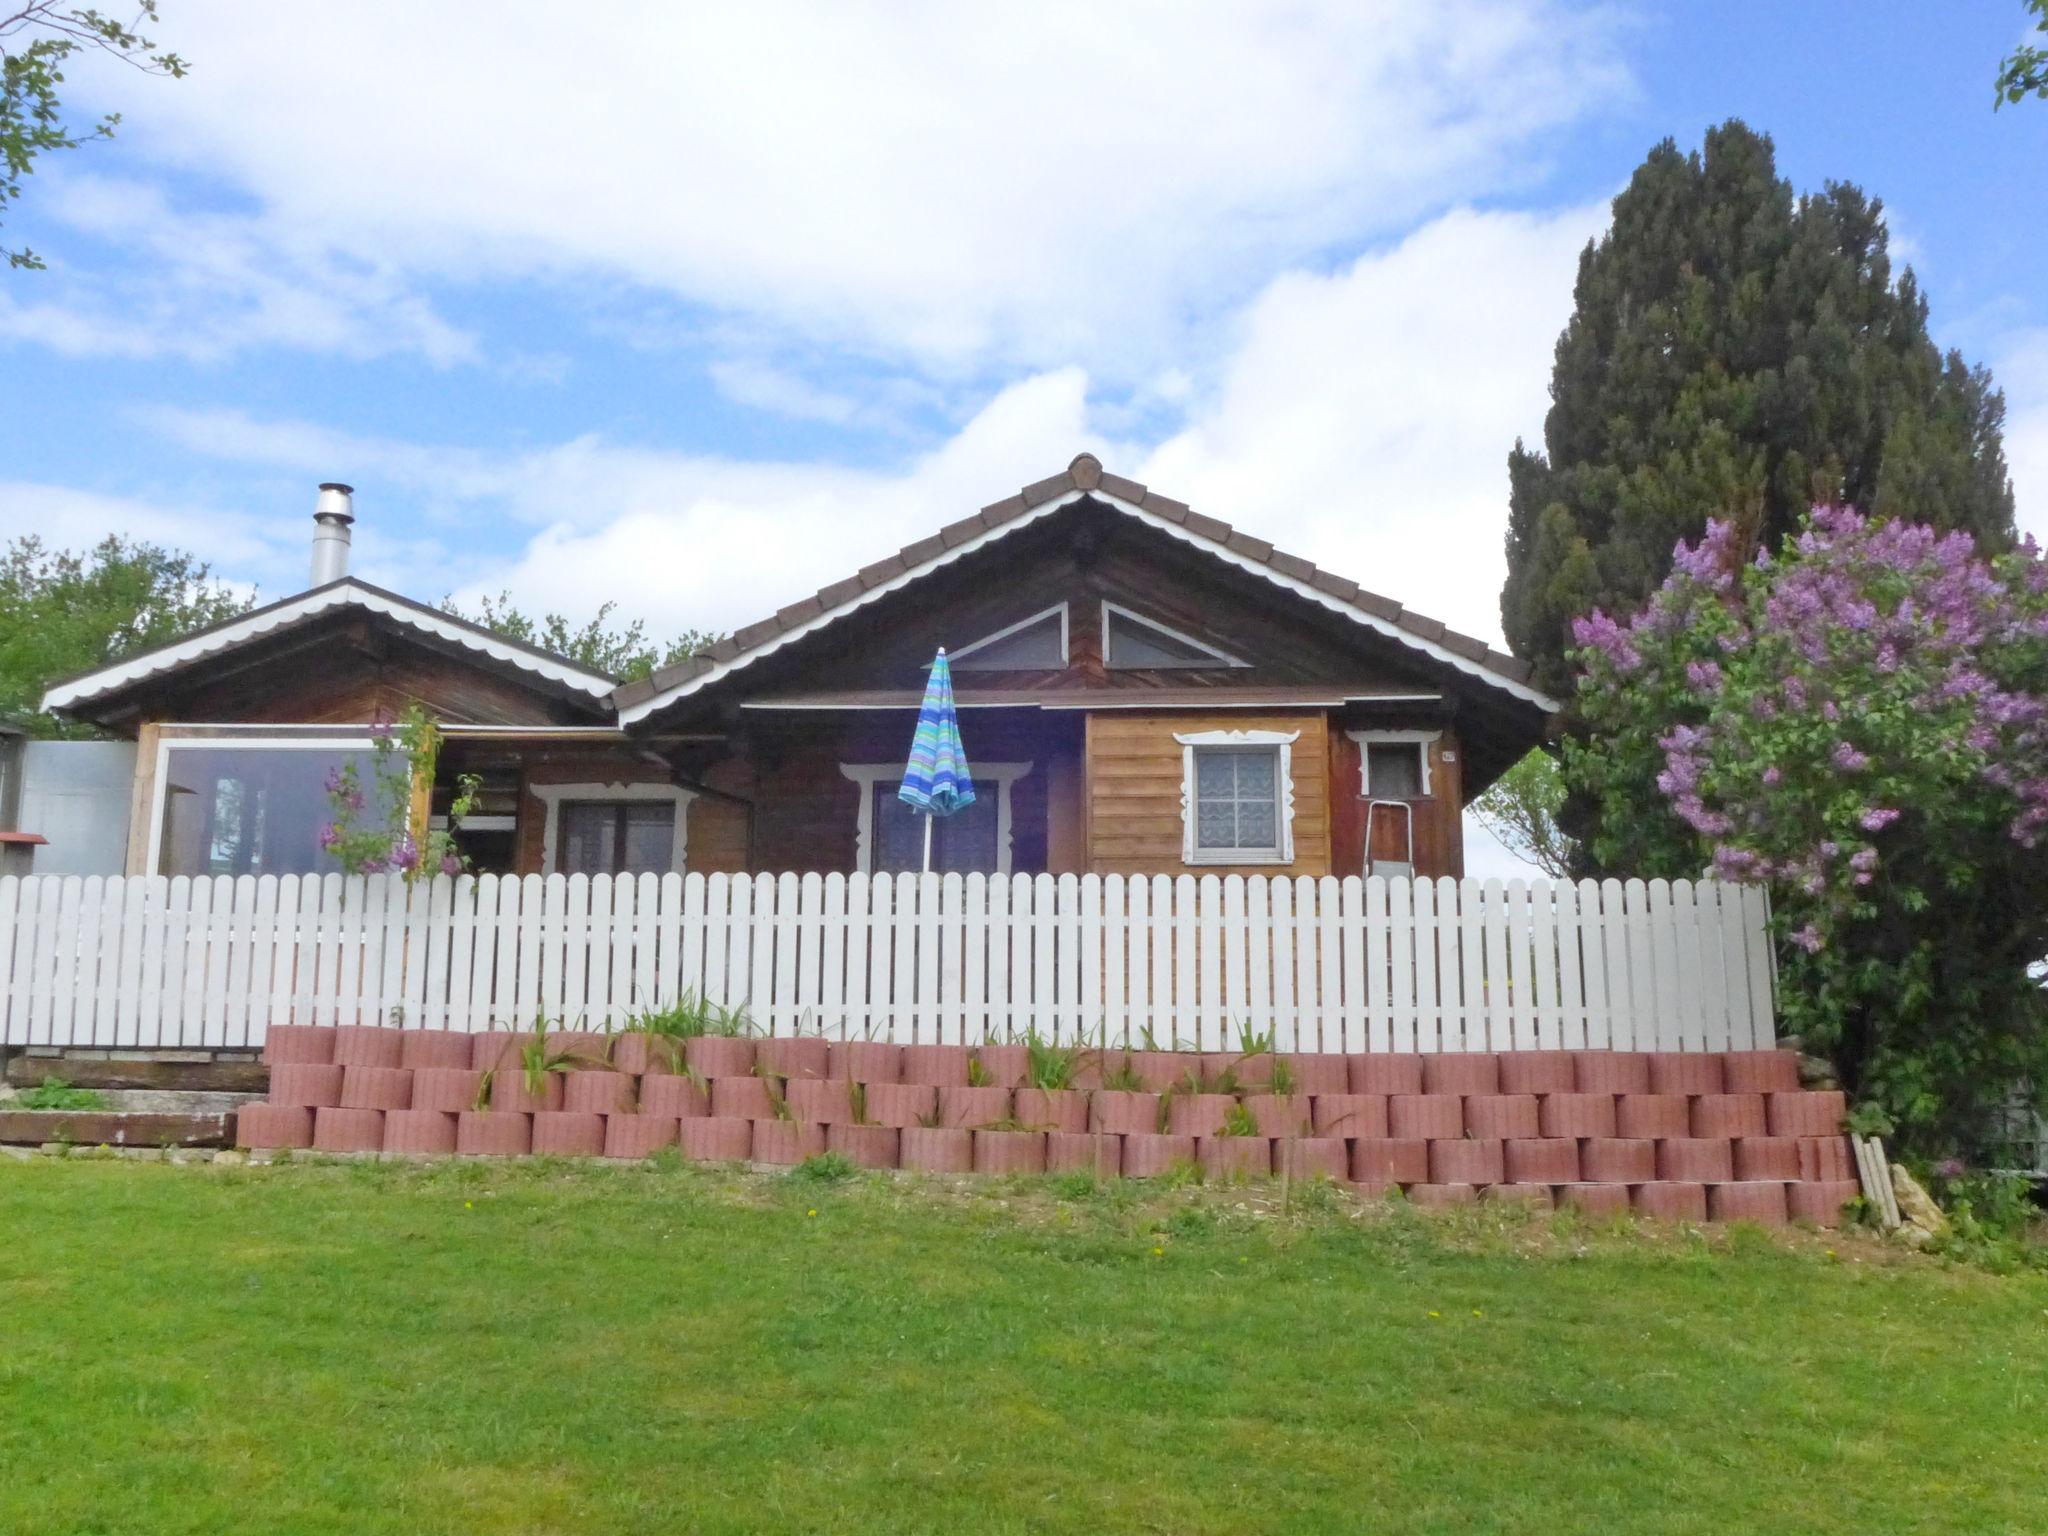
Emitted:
<point x="1735" y="351"/>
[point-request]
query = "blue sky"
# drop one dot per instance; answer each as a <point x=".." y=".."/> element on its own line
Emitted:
<point x="697" y="313"/>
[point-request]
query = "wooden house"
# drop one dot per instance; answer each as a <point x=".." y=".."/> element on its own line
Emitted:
<point x="1142" y="689"/>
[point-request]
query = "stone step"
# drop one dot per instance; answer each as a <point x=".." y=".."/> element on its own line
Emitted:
<point x="102" y="1070"/>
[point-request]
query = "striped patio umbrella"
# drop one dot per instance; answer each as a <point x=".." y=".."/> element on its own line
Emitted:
<point x="937" y="780"/>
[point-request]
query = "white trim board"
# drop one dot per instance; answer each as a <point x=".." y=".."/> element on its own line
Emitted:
<point x="1045" y="509"/>
<point x="1284" y="741"/>
<point x="553" y="795"/>
<point x="1423" y="739"/>
<point x="346" y="593"/>
<point x="868" y="775"/>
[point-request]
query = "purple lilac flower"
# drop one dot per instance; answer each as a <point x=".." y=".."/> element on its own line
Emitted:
<point x="1848" y="759"/>
<point x="1877" y="818"/>
<point x="1808" y="939"/>
<point x="451" y="864"/>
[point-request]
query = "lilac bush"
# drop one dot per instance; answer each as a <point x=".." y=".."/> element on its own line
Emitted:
<point x="1862" y="723"/>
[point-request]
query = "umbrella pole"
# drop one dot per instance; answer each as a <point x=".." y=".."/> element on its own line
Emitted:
<point x="927" y="842"/>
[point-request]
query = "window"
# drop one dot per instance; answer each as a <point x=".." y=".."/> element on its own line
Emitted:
<point x="1394" y="765"/>
<point x="234" y="809"/>
<point x="619" y="829"/>
<point x="616" y="837"/>
<point x="1036" y="644"/>
<point x="963" y="842"/>
<point x="1129" y="641"/>
<point x="889" y="835"/>
<point x="1237" y="797"/>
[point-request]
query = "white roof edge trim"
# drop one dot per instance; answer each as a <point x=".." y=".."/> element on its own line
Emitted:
<point x="343" y="594"/>
<point x="1336" y="605"/>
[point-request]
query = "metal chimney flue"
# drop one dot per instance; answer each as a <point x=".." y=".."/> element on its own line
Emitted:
<point x="332" y="515"/>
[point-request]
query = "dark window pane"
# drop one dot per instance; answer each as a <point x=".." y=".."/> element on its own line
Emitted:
<point x="1131" y="644"/>
<point x="251" y="810"/>
<point x="587" y="843"/>
<point x="963" y="842"/>
<point x="1394" y="769"/>
<point x="1034" y="648"/>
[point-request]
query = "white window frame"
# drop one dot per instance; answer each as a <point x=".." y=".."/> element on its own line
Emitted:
<point x="1421" y="740"/>
<point x="554" y="796"/>
<point x="230" y="741"/>
<point x="965" y="651"/>
<point x="1221" y="658"/>
<point x="869" y="775"/>
<point x="1190" y="743"/>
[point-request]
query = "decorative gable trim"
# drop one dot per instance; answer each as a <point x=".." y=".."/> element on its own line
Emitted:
<point x="343" y="594"/>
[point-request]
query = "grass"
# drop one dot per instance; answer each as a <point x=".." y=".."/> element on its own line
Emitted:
<point x="370" y="1348"/>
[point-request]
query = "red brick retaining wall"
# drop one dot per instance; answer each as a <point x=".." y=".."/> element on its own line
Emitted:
<point x="1700" y="1136"/>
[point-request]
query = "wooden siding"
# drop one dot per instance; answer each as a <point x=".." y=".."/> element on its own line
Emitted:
<point x="1134" y="770"/>
<point x="1439" y="818"/>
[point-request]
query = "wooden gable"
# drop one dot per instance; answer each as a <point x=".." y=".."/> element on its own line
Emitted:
<point x="348" y="667"/>
<point x="1083" y="558"/>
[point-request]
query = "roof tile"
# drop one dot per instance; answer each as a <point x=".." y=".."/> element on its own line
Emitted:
<point x="1125" y="490"/>
<point x="1421" y="628"/>
<point x="954" y="534"/>
<point x="1208" y="527"/>
<point x="1246" y="544"/>
<point x="1340" y="587"/>
<point x="1044" y="490"/>
<point x="1292" y="565"/>
<point x="799" y="612"/>
<point x="841" y="592"/>
<point x="923" y="550"/>
<point x="887" y="569"/>
<point x="999" y="512"/>
<point x="756" y="634"/>
<point x="1166" y="507"/>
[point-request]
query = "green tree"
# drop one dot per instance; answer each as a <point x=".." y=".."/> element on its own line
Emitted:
<point x="622" y="650"/>
<point x="1520" y="809"/>
<point x="37" y="38"/>
<point x="62" y="613"/>
<point x="1736" y="352"/>
<point x="2024" y="71"/>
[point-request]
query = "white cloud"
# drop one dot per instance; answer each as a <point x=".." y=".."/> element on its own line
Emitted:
<point x="205" y="286"/>
<point x="1366" y="417"/>
<point x="955" y="186"/>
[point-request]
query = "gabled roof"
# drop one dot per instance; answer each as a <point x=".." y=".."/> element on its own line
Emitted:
<point x="347" y="593"/>
<point x="1084" y="478"/>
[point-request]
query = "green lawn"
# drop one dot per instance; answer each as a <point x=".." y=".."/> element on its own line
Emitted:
<point x="500" y="1348"/>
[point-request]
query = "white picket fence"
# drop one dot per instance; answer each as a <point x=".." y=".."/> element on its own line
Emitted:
<point x="1334" y="965"/>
